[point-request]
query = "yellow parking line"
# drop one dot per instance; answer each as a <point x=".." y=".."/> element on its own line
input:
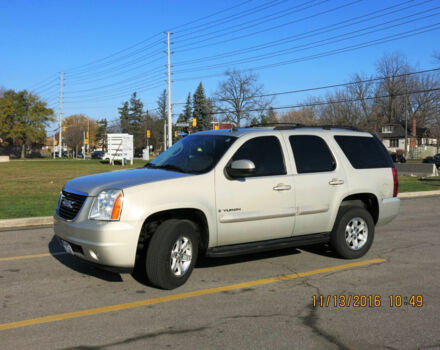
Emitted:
<point x="33" y="256"/>
<point x="101" y="310"/>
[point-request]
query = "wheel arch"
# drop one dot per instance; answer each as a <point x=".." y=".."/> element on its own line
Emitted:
<point x="152" y="222"/>
<point x="366" y="200"/>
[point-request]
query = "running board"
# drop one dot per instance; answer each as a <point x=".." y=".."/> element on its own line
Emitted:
<point x="271" y="244"/>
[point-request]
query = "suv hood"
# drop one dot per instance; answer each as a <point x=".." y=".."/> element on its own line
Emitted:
<point x="93" y="184"/>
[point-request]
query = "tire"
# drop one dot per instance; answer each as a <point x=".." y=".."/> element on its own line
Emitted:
<point x="172" y="253"/>
<point x="353" y="232"/>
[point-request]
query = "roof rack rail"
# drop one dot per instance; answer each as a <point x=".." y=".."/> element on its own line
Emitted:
<point x="289" y="126"/>
<point x="274" y="124"/>
<point x="325" y="127"/>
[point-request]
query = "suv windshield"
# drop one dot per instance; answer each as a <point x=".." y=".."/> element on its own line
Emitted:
<point x="194" y="154"/>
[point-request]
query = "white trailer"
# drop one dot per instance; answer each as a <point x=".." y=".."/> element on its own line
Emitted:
<point x="119" y="147"/>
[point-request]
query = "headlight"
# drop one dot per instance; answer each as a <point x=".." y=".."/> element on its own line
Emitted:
<point x="107" y="205"/>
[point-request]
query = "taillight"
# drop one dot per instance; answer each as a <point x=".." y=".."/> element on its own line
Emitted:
<point x="396" y="183"/>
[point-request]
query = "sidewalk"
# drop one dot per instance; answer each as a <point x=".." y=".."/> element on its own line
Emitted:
<point x="48" y="220"/>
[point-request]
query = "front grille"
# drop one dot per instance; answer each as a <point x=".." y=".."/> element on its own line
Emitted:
<point x="70" y="205"/>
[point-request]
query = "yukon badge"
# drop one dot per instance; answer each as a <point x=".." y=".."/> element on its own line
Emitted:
<point x="232" y="209"/>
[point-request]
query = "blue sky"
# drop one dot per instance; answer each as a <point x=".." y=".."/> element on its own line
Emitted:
<point x="42" y="38"/>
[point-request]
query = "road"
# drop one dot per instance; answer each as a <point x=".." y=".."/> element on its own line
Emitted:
<point x="50" y="300"/>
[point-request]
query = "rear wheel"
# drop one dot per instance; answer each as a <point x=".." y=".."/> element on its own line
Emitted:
<point x="353" y="232"/>
<point x="172" y="253"/>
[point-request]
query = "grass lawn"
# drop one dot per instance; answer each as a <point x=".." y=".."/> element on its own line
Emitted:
<point x="31" y="187"/>
<point x="415" y="184"/>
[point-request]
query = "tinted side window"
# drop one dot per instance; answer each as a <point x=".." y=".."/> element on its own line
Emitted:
<point x="266" y="153"/>
<point x="363" y="152"/>
<point x="312" y="154"/>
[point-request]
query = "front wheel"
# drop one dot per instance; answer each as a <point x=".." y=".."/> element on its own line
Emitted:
<point x="172" y="253"/>
<point x="353" y="232"/>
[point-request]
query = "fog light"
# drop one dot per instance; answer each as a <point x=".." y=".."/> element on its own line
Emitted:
<point x="93" y="255"/>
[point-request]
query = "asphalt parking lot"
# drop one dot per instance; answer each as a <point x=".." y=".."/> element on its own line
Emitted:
<point x="50" y="300"/>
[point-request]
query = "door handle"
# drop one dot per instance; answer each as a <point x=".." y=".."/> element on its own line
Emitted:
<point x="336" y="182"/>
<point x="282" y="187"/>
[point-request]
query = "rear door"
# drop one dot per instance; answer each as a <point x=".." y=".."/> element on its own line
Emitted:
<point x="320" y="181"/>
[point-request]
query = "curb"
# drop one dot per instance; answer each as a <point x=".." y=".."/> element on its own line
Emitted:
<point x="419" y="194"/>
<point x="48" y="220"/>
<point x="27" y="222"/>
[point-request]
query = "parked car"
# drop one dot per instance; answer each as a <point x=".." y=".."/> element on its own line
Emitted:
<point x="434" y="160"/>
<point x="228" y="192"/>
<point x="138" y="154"/>
<point x="63" y="153"/>
<point x="98" y="155"/>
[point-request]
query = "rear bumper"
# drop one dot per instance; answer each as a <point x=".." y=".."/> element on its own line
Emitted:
<point x="388" y="210"/>
<point x="110" y="244"/>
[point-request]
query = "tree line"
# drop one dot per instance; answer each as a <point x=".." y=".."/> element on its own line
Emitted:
<point x="392" y="94"/>
<point x="23" y="121"/>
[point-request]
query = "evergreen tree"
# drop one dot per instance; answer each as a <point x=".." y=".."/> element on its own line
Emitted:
<point x="124" y="117"/>
<point x="136" y="116"/>
<point x="202" y="110"/>
<point x="101" y="133"/>
<point x="162" y="104"/>
<point x="186" y="116"/>
<point x="162" y="110"/>
<point x="187" y="111"/>
<point x="135" y="113"/>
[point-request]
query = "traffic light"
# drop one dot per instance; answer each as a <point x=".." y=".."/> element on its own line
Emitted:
<point x="175" y="133"/>
<point x="194" y="124"/>
<point x="215" y="127"/>
<point x="148" y="134"/>
<point x="86" y="141"/>
<point x="87" y="135"/>
<point x="64" y="128"/>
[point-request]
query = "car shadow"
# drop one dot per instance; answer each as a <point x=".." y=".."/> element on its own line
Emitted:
<point x="321" y="249"/>
<point x="206" y="262"/>
<point x="79" y="265"/>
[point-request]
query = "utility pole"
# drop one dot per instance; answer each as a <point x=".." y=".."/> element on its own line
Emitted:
<point x="170" y="124"/>
<point x="61" y="115"/>
<point x="53" y="145"/>
<point x="88" y="137"/>
<point x="164" y="135"/>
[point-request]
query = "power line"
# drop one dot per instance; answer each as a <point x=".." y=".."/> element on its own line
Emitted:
<point x="190" y="48"/>
<point x="81" y="67"/>
<point x="332" y="86"/>
<point x="315" y="104"/>
<point x="209" y="16"/>
<point x="382" y="40"/>
<point x="310" y="33"/>
<point x="232" y="18"/>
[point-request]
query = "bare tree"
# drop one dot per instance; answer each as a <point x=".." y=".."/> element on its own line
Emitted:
<point x="304" y="116"/>
<point x="239" y="97"/>
<point x="392" y="67"/>
<point x="361" y="90"/>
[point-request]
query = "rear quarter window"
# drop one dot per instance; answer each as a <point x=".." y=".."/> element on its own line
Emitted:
<point x="364" y="152"/>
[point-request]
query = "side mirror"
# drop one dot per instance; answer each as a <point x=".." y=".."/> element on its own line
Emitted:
<point x="241" y="168"/>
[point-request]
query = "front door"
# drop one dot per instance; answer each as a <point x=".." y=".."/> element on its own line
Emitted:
<point x="261" y="206"/>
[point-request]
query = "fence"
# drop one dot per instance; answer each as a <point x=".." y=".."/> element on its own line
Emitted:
<point x="422" y="152"/>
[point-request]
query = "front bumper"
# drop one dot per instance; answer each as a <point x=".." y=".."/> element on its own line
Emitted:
<point x="388" y="210"/>
<point x="108" y="243"/>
